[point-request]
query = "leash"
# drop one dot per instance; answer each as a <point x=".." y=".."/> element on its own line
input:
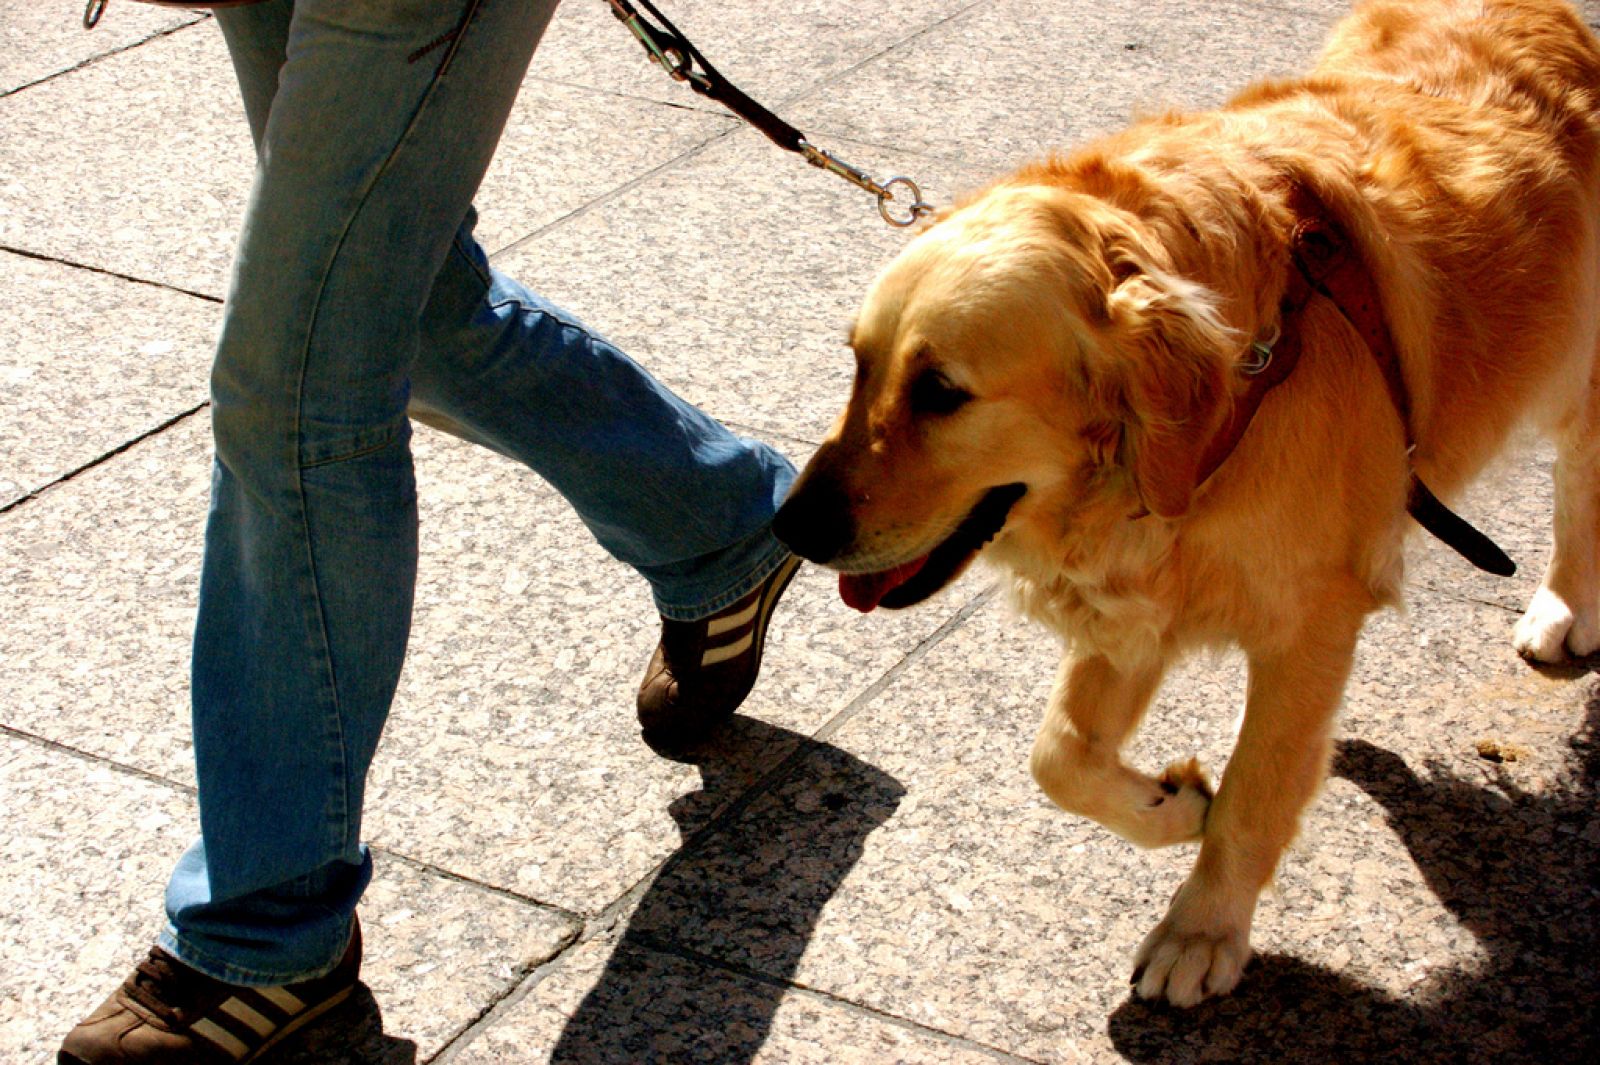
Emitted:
<point x="674" y="53"/>
<point x="1326" y="265"/>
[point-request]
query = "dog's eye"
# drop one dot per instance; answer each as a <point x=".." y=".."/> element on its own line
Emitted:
<point x="932" y="393"/>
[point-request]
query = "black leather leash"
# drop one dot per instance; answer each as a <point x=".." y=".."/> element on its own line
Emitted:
<point x="678" y="56"/>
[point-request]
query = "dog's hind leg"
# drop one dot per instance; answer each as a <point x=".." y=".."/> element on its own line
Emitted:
<point x="1077" y="756"/>
<point x="1564" y="616"/>
<point x="1202" y="944"/>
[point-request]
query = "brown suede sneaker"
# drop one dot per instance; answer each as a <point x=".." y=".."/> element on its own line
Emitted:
<point x="168" y="1013"/>
<point x="702" y="670"/>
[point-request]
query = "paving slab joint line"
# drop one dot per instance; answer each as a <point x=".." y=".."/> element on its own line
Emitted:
<point x="606" y="922"/>
<point x="673" y="949"/>
<point x="804" y="751"/>
<point x="519" y="989"/>
<point x="100" y="57"/>
<point x="432" y="869"/>
<point x="109" y="455"/>
<point x="58" y="747"/>
<point x="735" y="125"/>
<point x="56" y="260"/>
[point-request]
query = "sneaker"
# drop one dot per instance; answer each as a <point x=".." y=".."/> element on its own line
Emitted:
<point x="702" y="670"/>
<point x="170" y="1014"/>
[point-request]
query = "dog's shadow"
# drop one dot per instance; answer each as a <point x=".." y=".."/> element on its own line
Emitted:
<point x="1520" y="871"/>
<point x="665" y="996"/>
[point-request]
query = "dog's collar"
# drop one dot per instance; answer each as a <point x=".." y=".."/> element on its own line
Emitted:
<point x="1325" y="264"/>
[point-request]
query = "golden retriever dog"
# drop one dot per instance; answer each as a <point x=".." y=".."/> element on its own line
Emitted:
<point x="1044" y="374"/>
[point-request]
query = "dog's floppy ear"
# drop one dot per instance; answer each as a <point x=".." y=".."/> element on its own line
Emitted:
<point x="1172" y="360"/>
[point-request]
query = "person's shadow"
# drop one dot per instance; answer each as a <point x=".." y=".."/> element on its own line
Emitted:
<point x="1520" y="871"/>
<point x="732" y="887"/>
<point x="356" y="1038"/>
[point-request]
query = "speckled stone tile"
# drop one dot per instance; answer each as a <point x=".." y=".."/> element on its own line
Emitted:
<point x="38" y="40"/>
<point x="968" y="904"/>
<point x="512" y="754"/>
<point x="86" y="855"/>
<point x="152" y="183"/>
<point x="625" y="1004"/>
<point x="90" y="363"/>
<point x="1513" y="503"/>
<point x="740" y="273"/>
<point x="774" y="52"/>
<point x="1010" y="80"/>
<point x="100" y="575"/>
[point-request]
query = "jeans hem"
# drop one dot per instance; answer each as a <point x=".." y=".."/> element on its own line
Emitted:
<point x="240" y="976"/>
<point x="742" y="587"/>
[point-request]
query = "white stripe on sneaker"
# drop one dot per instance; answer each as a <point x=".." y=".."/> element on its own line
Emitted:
<point x="281" y="998"/>
<point x="718" y="626"/>
<point x="714" y="655"/>
<point x="213" y="1032"/>
<point x="241" y="1011"/>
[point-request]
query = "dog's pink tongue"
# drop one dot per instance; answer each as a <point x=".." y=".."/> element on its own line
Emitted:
<point x="864" y="591"/>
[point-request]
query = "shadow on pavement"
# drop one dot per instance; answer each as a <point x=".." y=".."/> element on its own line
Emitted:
<point x="1518" y="870"/>
<point x="659" y="1000"/>
<point x="352" y="1034"/>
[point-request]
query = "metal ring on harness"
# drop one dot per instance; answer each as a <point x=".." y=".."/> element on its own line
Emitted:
<point x="914" y="210"/>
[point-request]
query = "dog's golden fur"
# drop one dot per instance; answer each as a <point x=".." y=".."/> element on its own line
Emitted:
<point x="1079" y="327"/>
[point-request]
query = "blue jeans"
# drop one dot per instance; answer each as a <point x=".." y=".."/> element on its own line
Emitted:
<point x="358" y="293"/>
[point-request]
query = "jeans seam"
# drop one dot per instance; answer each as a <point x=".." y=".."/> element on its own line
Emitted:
<point x="368" y="449"/>
<point x="339" y="822"/>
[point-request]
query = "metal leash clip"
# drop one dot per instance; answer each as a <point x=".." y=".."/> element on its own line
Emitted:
<point x="887" y="199"/>
<point x="673" y="52"/>
<point x="667" y="57"/>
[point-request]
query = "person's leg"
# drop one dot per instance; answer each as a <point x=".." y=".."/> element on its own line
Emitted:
<point x="374" y="134"/>
<point x="663" y="486"/>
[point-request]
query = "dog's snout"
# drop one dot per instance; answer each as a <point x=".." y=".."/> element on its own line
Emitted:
<point x="814" y="522"/>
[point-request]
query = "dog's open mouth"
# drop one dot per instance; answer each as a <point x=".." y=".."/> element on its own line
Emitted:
<point x="914" y="581"/>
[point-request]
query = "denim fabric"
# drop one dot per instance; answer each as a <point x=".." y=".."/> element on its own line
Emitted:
<point x="358" y="294"/>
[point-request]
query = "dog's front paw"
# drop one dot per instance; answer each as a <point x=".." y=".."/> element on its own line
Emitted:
<point x="1550" y="630"/>
<point x="1175" y="811"/>
<point x="1198" y="950"/>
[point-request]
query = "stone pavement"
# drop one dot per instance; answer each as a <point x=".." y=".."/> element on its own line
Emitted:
<point x="860" y="870"/>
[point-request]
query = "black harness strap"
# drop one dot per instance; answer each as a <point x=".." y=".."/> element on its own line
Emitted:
<point x="1326" y="265"/>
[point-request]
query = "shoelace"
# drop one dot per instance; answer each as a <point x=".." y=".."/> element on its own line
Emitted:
<point x="162" y="985"/>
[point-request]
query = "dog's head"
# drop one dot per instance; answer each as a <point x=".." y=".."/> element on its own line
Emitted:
<point x="1028" y="356"/>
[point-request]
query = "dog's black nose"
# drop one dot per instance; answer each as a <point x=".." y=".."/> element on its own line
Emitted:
<point x="814" y="522"/>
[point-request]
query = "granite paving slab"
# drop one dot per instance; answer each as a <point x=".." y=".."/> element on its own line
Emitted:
<point x="91" y="362"/>
<point x="971" y="906"/>
<point x="512" y="753"/>
<point x="623" y="1003"/>
<point x="773" y="52"/>
<point x="737" y="276"/>
<point x="151" y="177"/>
<point x="86" y="855"/>
<point x="1009" y="81"/>
<point x="38" y="40"/>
